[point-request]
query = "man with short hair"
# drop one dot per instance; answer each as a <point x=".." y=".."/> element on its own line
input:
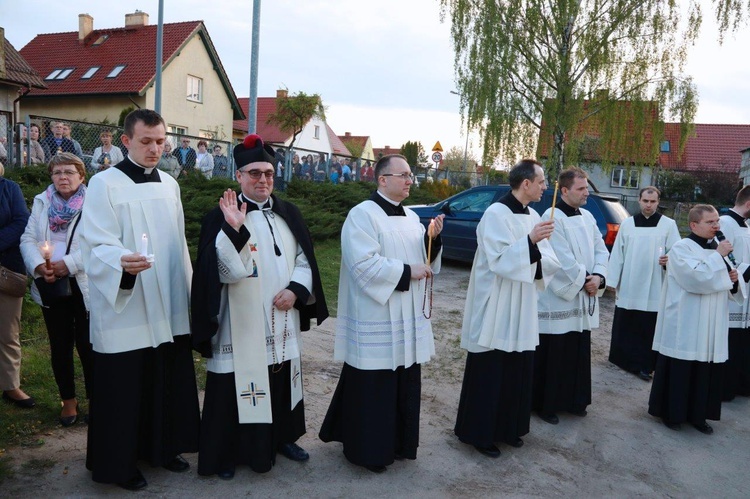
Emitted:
<point x="636" y="271"/>
<point x="735" y="229"/>
<point x="383" y="332"/>
<point x="501" y="327"/>
<point x="67" y="129"/>
<point x="692" y="326"/>
<point x="256" y="288"/>
<point x="56" y="142"/>
<point x="569" y="306"/>
<point x="144" y="402"/>
<point x="221" y="163"/>
<point x="186" y="155"/>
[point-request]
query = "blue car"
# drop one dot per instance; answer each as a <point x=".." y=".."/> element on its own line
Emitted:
<point x="464" y="210"/>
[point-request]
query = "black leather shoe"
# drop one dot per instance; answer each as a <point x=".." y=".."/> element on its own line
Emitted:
<point x="22" y="403"/>
<point x="136" y="482"/>
<point x="549" y="418"/>
<point x="376" y="469"/>
<point x="672" y="426"/>
<point x="645" y="376"/>
<point x="489" y="450"/>
<point x="177" y="464"/>
<point x="516" y="443"/>
<point x="68" y="420"/>
<point x="227" y="474"/>
<point x="704" y="428"/>
<point x="294" y="452"/>
<point x="581" y="413"/>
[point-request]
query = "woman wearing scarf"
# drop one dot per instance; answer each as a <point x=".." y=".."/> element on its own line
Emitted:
<point x="54" y="218"/>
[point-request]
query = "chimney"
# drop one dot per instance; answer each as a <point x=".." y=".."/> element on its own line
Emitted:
<point x="282" y="93"/>
<point x="85" y="26"/>
<point x="347" y="134"/>
<point x="137" y="19"/>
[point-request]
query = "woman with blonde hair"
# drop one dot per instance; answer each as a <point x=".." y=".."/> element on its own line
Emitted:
<point x="107" y="154"/>
<point x="61" y="287"/>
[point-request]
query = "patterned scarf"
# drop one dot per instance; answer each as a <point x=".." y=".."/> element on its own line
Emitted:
<point x="62" y="211"/>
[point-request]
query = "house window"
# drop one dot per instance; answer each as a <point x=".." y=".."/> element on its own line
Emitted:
<point x="116" y="71"/>
<point x="624" y="178"/>
<point x="316" y="134"/>
<point x="664" y="147"/>
<point x="100" y="40"/>
<point x="176" y="130"/>
<point x="194" y="88"/>
<point x="59" y="74"/>
<point x="90" y="72"/>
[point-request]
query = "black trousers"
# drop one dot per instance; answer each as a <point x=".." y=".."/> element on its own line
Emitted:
<point x="68" y="326"/>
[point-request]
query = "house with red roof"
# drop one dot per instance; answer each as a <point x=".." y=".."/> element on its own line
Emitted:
<point x="359" y="145"/>
<point x="17" y="77"/>
<point x="93" y="74"/>
<point x="379" y="152"/>
<point x="316" y="137"/>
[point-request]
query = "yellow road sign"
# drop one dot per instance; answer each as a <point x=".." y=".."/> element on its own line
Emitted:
<point x="437" y="147"/>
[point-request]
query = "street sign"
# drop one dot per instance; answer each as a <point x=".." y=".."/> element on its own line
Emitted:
<point x="436" y="156"/>
<point x="437" y="147"/>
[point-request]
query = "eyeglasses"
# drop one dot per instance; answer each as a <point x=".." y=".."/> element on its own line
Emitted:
<point x="67" y="173"/>
<point x="256" y="174"/>
<point x="403" y="176"/>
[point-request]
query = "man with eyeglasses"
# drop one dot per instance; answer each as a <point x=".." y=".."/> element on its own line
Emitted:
<point x="255" y="289"/>
<point x="692" y="325"/>
<point x="383" y="331"/>
<point x="186" y="155"/>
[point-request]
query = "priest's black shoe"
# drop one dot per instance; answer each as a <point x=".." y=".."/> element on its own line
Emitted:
<point x="177" y="464"/>
<point x="294" y="452"/>
<point x="488" y="450"/>
<point x="645" y="376"/>
<point x="136" y="482"/>
<point x="672" y="426"/>
<point x="550" y="418"/>
<point x="515" y="443"/>
<point x="68" y="420"/>
<point x="227" y="474"/>
<point x="376" y="468"/>
<point x="22" y="403"/>
<point x="704" y="428"/>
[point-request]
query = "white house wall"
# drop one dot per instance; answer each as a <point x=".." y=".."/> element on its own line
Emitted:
<point x="306" y="139"/>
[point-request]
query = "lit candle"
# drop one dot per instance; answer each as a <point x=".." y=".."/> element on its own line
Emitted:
<point x="554" y="202"/>
<point x="144" y="245"/>
<point x="46" y="248"/>
<point x="429" y="241"/>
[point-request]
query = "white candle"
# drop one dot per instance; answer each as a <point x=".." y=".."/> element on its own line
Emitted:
<point x="144" y="245"/>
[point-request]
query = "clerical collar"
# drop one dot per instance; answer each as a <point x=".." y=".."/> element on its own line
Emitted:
<point x="567" y="209"/>
<point x="388" y="206"/>
<point x="146" y="171"/>
<point x="703" y="242"/>
<point x="737" y="217"/>
<point x="255" y="205"/>
<point x="643" y="221"/>
<point x="394" y="203"/>
<point x="137" y="173"/>
<point x="514" y="204"/>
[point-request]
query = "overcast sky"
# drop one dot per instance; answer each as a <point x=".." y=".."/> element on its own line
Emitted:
<point x="384" y="68"/>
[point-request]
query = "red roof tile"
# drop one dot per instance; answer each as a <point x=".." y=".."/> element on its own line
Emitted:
<point x="715" y="147"/>
<point x="379" y="152"/>
<point x="337" y="146"/>
<point x="357" y="141"/>
<point x="269" y="133"/>
<point x="17" y="70"/>
<point x="134" y="47"/>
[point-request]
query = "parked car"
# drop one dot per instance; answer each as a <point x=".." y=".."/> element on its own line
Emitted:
<point x="464" y="210"/>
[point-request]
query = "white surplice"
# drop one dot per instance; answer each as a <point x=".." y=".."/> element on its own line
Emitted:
<point x="739" y="236"/>
<point x="379" y="327"/>
<point x="692" y="323"/>
<point x="252" y="333"/>
<point x="116" y="215"/>
<point x="634" y="269"/>
<point x="501" y="302"/>
<point x="564" y="306"/>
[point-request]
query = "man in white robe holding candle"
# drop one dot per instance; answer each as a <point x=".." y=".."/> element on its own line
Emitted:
<point x="255" y="290"/>
<point x="383" y="333"/>
<point x="569" y="306"/>
<point x="144" y="403"/>
<point x="501" y="328"/>
<point x="636" y="271"/>
<point x="693" y="324"/>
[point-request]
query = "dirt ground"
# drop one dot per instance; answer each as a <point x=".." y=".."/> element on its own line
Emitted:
<point x="617" y="450"/>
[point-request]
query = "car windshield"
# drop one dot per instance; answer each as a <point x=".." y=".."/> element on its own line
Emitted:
<point x="618" y="210"/>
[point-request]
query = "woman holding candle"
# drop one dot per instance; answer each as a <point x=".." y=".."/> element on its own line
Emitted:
<point x="13" y="217"/>
<point x="106" y="155"/>
<point x="52" y="234"/>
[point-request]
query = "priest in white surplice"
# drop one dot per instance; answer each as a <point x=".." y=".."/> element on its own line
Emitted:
<point x="737" y="369"/>
<point x="256" y="287"/>
<point x="569" y="306"/>
<point x="382" y="333"/>
<point x="501" y="327"/>
<point x="144" y="402"/>
<point x="692" y="326"/>
<point x="636" y="271"/>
